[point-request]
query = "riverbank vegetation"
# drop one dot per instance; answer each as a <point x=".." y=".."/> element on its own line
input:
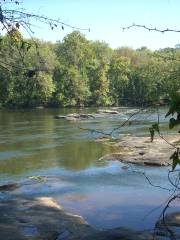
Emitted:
<point x="79" y="72"/>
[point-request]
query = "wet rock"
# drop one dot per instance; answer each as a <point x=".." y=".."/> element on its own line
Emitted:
<point x="75" y="117"/>
<point x="44" y="219"/>
<point x="140" y="150"/>
<point x="40" y="107"/>
<point x="81" y="116"/>
<point x="132" y="111"/>
<point x="8" y="187"/>
<point x="59" y="117"/>
<point x="107" y="111"/>
<point x="41" y="218"/>
<point x="87" y="115"/>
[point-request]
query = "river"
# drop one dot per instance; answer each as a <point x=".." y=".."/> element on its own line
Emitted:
<point x="107" y="195"/>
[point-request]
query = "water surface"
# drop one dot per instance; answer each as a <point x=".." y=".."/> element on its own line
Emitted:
<point x="33" y="143"/>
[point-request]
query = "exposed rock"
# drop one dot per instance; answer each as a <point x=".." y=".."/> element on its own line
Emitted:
<point x="107" y="111"/>
<point x="75" y="117"/>
<point x="87" y="115"/>
<point x="79" y="117"/>
<point x="39" y="218"/>
<point x="103" y="139"/>
<point x="43" y="218"/>
<point x="38" y="178"/>
<point x="8" y="187"/>
<point x="49" y="202"/>
<point x="101" y="113"/>
<point x="140" y="150"/>
<point x="59" y="117"/>
<point x="40" y="107"/>
<point x="132" y="111"/>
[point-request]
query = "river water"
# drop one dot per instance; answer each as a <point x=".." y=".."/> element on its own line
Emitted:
<point x="105" y="193"/>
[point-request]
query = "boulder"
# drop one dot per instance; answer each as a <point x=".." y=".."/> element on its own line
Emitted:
<point x="8" y="187"/>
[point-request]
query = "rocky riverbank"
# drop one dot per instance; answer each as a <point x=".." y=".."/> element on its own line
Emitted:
<point x="140" y="150"/>
<point x="24" y="217"/>
<point x="75" y="117"/>
<point x="43" y="218"/>
<point x="100" y="113"/>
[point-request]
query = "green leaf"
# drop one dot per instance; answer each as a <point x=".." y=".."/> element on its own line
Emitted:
<point x="23" y="45"/>
<point x="173" y="122"/>
<point x="17" y="25"/>
<point x="28" y="47"/>
<point x="175" y="104"/>
<point x="175" y="158"/>
<point x="152" y="132"/>
<point x="175" y="162"/>
<point x="153" y="129"/>
<point x="173" y="155"/>
<point x="155" y="126"/>
<point x="171" y="111"/>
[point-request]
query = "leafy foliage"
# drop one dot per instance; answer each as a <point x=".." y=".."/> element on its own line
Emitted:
<point x="79" y="72"/>
<point x="175" y="109"/>
<point x="175" y="158"/>
<point x="153" y="129"/>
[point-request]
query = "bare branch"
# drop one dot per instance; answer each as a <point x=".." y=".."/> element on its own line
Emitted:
<point x="16" y="18"/>
<point x="152" y="184"/>
<point x="172" y="235"/>
<point x="151" y="29"/>
<point x="126" y="121"/>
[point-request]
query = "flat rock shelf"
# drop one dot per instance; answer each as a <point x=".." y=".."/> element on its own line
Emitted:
<point x="43" y="218"/>
<point x="140" y="150"/>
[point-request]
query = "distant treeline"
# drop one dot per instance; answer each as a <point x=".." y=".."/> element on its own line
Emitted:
<point x="79" y="72"/>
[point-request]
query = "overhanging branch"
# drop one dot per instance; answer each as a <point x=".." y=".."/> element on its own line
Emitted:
<point x="151" y="29"/>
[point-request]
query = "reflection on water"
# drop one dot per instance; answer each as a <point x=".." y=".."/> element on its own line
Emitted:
<point x="32" y="140"/>
<point x="76" y="156"/>
<point x="108" y="196"/>
<point x="104" y="193"/>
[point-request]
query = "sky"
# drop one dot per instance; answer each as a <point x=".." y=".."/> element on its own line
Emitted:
<point x="106" y="18"/>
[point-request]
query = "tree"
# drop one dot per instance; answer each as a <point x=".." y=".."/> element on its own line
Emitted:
<point x="97" y="74"/>
<point x="119" y="74"/>
<point x="71" y="74"/>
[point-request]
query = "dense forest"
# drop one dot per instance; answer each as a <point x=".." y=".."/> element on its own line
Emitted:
<point x="79" y="72"/>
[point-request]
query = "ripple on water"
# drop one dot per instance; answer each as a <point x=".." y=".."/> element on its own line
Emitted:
<point x="104" y="193"/>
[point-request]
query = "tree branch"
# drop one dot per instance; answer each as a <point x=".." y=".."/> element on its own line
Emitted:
<point x="151" y="29"/>
<point x="15" y="17"/>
